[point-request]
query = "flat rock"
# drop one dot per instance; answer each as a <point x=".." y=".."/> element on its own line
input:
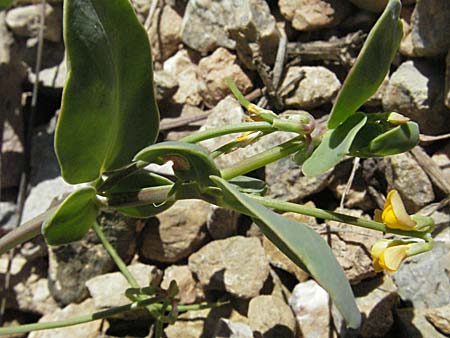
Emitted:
<point x="308" y="15"/>
<point x="271" y="317"/>
<point x="90" y="329"/>
<point x="428" y="35"/>
<point x="222" y="222"/>
<point x="71" y="265"/>
<point x="423" y="279"/>
<point x="406" y="170"/>
<point x="311" y="87"/>
<point x="190" y="292"/>
<point x="413" y="324"/>
<point x="164" y="33"/>
<point x="166" y="85"/>
<point x="225" y="328"/>
<point x="237" y="265"/>
<point x="108" y="290"/>
<point x="214" y="69"/>
<point x="440" y="318"/>
<point x="175" y="233"/>
<point x="416" y="90"/>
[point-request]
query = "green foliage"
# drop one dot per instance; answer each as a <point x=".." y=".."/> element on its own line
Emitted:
<point x="74" y="217"/>
<point x="335" y="145"/>
<point x="108" y="108"/>
<point x="190" y="161"/>
<point x="5" y="4"/>
<point x="249" y="185"/>
<point x="303" y="246"/>
<point x="372" y="64"/>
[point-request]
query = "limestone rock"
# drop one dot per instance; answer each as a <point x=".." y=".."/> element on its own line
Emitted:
<point x="415" y="90"/>
<point x="90" y="329"/>
<point x="54" y="77"/>
<point x="423" y="279"/>
<point x="310" y="305"/>
<point x="175" y="233"/>
<point x="406" y="170"/>
<point x="237" y="265"/>
<point x="24" y="21"/>
<point x="189" y="293"/>
<point x="108" y="290"/>
<point x="307" y="15"/>
<point x="413" y="324"/>
<point x="227" y="329"/>
<point x="71" y="265"/>
<point x="428" y="35"/>
<point x="166" y="85"/>
<point x="222" y="222"/>
<point x="440" y="318"/>
<point x="271" y="317"/>
<point x="194" y="324"/>
<point x="214" y="69"/>
<point x="164" y="33"/>
<point x="317" y="86"/>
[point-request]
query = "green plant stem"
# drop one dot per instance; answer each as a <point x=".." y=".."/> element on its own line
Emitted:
<point x="260" y="160"/>
<point x="115" y="256"/>
<point x="233" y="128"/>
<point x="333" y="216"/>
<point x="101" y="315"/>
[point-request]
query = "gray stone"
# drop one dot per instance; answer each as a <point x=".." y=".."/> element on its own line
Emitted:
<point x="108" y="290"/>
<point x="227" y="329"/>
<point x="237" y="265"/>
<point x="317" y="86"/>
<point x="164" y="33"/>
<point x="90" y="329"/>
<point x="54" y="77"/>
<point x="406" y="170"/>
<point x="440" y="318"/>
<point x="71" y="265"/>
<point x="222" y="222"/>
<point x="166" y="85"/>
<point x="195" y="324"/>
<point x="423" y="279"/>
<point x="413" y="324"/>
<point x="442" y="159"/>
<point x="416" y="90"/>
<point x="307" y="15"/>
<point x="271" y="317"/>
<point x="190" y="292"/>
<point x="175" y="233"/>
<point x="24" y="21"/>
<point x="309" y="301"/>
<point x="428" y="35"/>
<point x="214" y="69"/>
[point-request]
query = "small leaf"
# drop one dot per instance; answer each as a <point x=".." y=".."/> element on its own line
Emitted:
<point x="371" y="66"/>
<point x="108" y="108"/>
<point x="5" y="4"/>
<point x="249" y="185"/>
<point x="191" y="162"/>
<point x="303" y="246"/>
<point x="73" y="219"/>
<point x="334" y="146"/>
<point x="135" y="182"/>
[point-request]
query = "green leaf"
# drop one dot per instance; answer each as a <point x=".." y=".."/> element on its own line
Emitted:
<point x="191" y="162"/>
<point x="394" y="141"/>
<point x="249" y="185"/>
<point x="108" y="108"/>
<point x="304" y="247"/>
<point x="72" y="220"/>
<point x="5" y="4"/>
<point x="136" y="182"/>
<point x="334" y="146"/>
<point x="371" y="66"/>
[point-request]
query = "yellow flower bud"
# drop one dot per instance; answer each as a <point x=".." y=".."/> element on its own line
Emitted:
<point x="388" y="255"/>
<point x="394" y="214"/>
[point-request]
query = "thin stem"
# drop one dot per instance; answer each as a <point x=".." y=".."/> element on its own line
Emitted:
<point x="234" y="128"/>
<point x="115" y="256"/>
<point x="333" y="216"/>
<point x="260" y="160"/>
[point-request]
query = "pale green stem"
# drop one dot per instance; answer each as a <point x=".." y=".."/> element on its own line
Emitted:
<point x="115" y="256"/>
<point x="260" y="160"/>
<point x="333" y="216"/>
<point x="100" y="315"/>
<point x="225" y="130"/>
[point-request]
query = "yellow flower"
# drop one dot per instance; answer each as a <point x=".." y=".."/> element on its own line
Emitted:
<point x="394" y="214"/>
<point x="388" y="255"/>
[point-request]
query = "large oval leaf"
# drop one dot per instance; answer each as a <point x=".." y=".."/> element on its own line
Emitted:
<point x="190" y="161"/>
<point x="304" y="247"/>
<point x="371" y="66"/>
<point x="335" y="145"/>
<point x="73" y="218"/>
<point x="108" y="108"/>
